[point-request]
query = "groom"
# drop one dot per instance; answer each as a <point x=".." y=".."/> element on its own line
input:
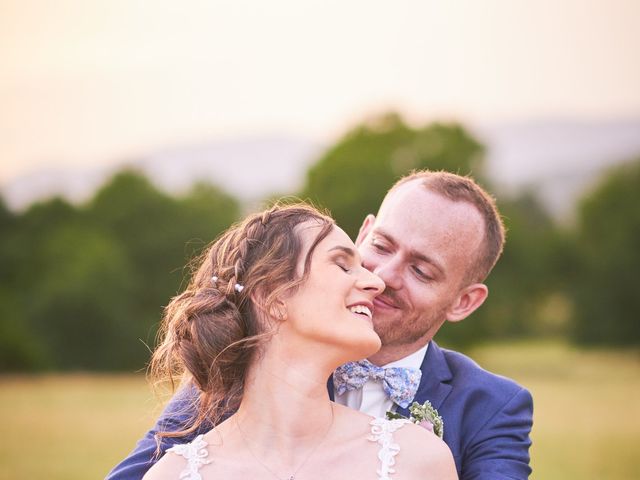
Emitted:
<point x="435" y="239"/>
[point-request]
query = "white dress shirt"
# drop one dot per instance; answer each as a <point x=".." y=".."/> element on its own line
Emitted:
<point x="371" y="398"/>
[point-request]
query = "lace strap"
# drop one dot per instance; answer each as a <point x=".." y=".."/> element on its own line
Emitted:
<point x="196" y="454"/>
<point x="382" y="432"/>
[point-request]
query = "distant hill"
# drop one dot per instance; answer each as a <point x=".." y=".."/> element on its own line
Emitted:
<point x="249" y="168"/>
<point x="559" y="160"/>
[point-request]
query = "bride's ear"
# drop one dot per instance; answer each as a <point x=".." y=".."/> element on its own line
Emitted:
<point x="468" y="301"/>
<point x="278" y="310"/>
<point x="275" y="309"/>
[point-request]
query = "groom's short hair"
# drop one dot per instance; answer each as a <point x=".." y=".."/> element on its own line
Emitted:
<point x="459" y="188"/>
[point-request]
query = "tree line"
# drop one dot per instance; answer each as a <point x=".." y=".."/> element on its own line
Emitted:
<point x="83" y="286"/>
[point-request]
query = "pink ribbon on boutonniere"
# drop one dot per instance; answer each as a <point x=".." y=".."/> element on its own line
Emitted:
<point x="425" y="416"/>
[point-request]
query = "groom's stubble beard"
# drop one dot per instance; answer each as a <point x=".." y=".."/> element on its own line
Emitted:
<point x="404" y="325"/>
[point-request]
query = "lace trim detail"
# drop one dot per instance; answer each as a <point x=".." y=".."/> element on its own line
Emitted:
<point x="196" y="454"/>
<point x="382" y="432"/>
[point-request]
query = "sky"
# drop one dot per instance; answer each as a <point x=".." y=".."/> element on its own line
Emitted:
<point x="86" y="82"/>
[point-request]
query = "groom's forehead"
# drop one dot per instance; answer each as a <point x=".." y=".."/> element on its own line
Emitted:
<point x="408" y="203"/>
<point x="417" y="203"/>
<point x="415" y="215"/>
<point x="412" y="192"/>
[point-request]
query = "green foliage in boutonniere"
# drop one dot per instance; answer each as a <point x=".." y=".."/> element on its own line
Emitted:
<point x="424" y="415"/>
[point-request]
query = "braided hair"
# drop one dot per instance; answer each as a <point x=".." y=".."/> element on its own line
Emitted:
<point x="211" y="332"/>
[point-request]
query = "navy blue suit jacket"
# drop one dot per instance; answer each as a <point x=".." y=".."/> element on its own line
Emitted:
<point x="487" y="420"/>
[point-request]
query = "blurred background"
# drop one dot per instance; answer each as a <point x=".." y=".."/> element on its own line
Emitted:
<point x="132" y="133"/>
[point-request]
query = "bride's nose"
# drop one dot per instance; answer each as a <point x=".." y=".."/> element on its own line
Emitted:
<point x="370" y="282"/>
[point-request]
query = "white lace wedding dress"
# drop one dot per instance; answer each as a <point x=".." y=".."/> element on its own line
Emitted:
<point x="382" y="430"/>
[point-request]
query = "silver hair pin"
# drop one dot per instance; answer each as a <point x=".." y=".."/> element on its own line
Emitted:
<point x="214" y="280"/>
<point x="238" y="288"/>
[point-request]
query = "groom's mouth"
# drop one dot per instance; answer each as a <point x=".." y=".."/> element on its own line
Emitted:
<point x="384" y="302"/>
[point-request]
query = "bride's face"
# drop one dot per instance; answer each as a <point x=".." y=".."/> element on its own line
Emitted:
<point x="334" y="305"/>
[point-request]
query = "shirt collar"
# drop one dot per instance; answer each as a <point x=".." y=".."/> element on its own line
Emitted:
<point x="413" y="360"/>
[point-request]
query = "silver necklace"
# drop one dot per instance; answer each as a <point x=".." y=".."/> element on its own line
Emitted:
<point x="295" y="472"/>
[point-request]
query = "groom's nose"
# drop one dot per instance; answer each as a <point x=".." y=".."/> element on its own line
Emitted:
<point x="389" y="270"/>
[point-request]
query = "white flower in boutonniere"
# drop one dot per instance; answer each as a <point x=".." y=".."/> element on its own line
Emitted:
<point x="424" y="415"/>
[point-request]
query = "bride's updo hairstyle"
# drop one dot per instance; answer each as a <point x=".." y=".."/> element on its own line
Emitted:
<point x="211" y="332"/>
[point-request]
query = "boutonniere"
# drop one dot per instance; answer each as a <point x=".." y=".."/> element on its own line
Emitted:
<point x="424" y="415"/>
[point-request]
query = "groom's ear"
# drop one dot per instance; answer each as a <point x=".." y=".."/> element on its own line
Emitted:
<point x="366" y="227"/>
<point x="467" y="302"/>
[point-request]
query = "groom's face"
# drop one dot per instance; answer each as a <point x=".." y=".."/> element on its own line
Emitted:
<point x="422" y="245"/>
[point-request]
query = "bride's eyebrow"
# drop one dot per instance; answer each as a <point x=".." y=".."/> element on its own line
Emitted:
<point x="346" y="250"/>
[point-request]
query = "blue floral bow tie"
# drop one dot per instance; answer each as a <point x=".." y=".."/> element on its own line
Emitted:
<point x="400" y="384"/>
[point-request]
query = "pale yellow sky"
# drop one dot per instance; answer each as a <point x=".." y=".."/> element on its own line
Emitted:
<point x="96" y="81"/>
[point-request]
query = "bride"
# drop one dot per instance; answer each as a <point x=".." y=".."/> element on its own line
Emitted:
<point x="276" y="304"/>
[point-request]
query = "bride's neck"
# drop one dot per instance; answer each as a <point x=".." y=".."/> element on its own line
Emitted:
<point x="286" y="396"/>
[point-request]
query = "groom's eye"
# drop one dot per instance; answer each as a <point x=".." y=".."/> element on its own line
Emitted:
<point x="420" y="274"/>
<point x="379" y="246"/>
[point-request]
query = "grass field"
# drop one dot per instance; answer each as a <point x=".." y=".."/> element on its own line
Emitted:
<point x="586" y="423"/>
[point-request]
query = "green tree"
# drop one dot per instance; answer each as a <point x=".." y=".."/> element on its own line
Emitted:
<point x="206" y="212"/>
<point x="28" y="233"/>
<point x="20" y="347"/>
<point x="158" y="235"/>
<point x="352" y="177"/>
<point x="6" y="217"/>
<point x="82" y="307"/>
<point x="23" y="267"/>
<point x="7" y="233"/>
<point x="83" y="287"/>
<point x="607" y="303"/>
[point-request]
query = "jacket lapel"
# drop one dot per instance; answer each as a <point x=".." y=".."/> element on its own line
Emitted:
<point x="433" y="384"/>
<point x="330" y="388"/>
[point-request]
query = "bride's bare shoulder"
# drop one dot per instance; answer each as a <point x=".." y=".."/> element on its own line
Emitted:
<point x="169" y="466"/>
<point x="425" y="454"/>
<point x="348" y="412"/>
<point x="351" y="419"/>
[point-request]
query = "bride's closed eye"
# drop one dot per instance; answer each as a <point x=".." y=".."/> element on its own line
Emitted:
<point x="343" y="263"/>
<point x="344" y="258"/>
<point x="344" y="266"/>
